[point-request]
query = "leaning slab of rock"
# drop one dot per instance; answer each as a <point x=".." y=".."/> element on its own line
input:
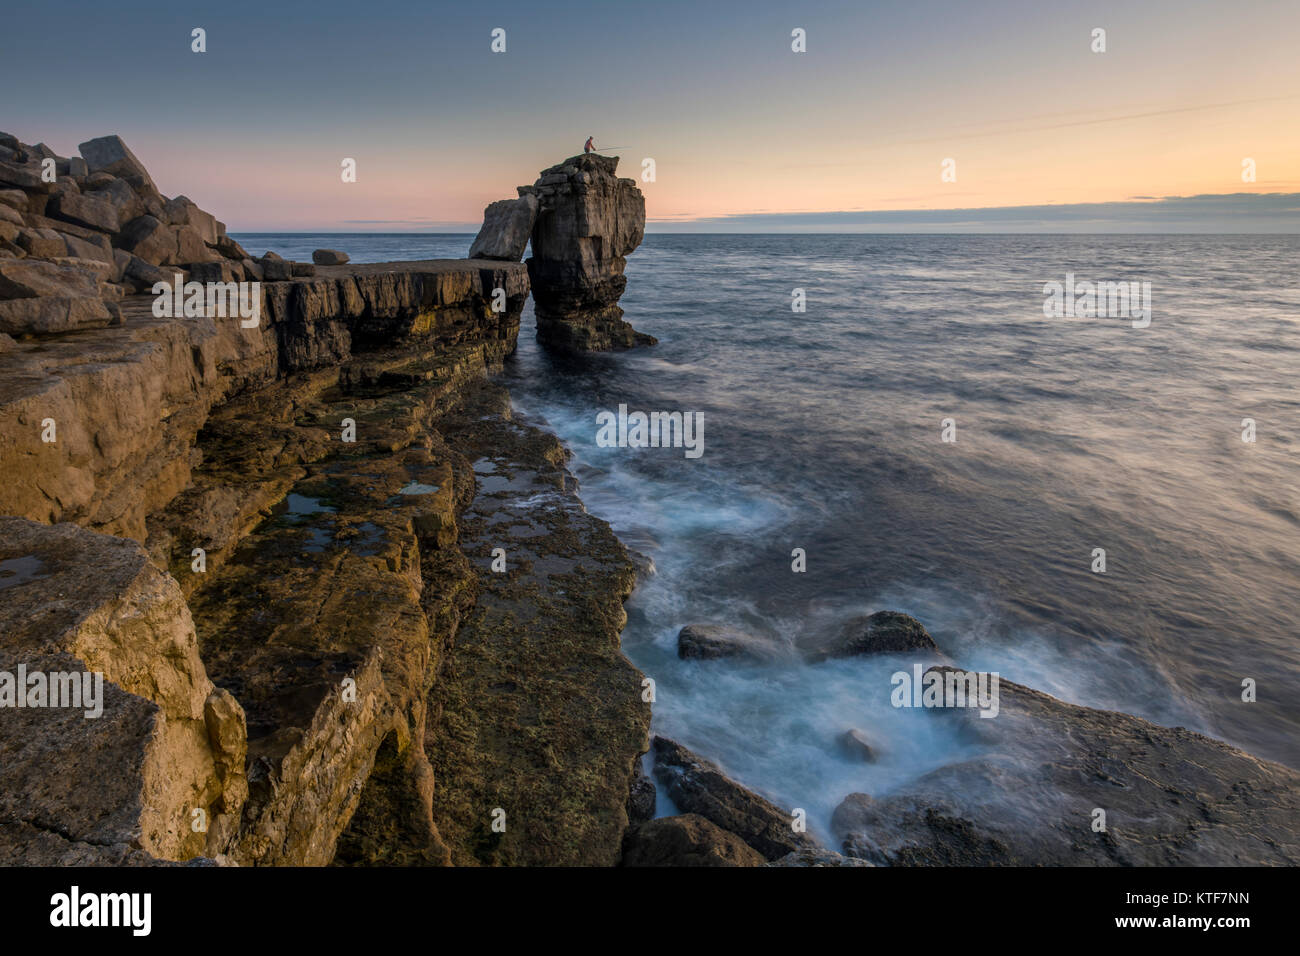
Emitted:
<point x="507" y="224"/>
<point x="110" y="154"/>
<point x="1170" y="797"/>
<point x="698" y="786"/>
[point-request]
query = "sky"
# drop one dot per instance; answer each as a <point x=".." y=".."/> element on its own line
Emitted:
<point x="746" y="135"/>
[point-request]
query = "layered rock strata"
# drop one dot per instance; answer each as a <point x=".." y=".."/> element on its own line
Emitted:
<point x="291" y="630"/>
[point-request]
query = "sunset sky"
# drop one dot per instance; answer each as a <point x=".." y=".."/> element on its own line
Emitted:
<point x="745" y="133"/>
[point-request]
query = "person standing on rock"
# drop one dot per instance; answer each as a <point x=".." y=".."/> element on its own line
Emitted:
<point x="589" y="146"/>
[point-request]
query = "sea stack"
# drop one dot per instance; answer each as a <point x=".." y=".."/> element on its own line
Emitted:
<point x="588" y="221"/>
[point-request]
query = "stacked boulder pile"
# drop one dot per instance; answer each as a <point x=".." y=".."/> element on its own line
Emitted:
<point x="583" y="222"/>
<point x="78" y="234"/>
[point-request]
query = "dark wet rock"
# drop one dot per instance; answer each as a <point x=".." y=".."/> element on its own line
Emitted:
<point x="697" y="786"/>
<point x="642" y="797"/>
<point x="857" y="745"/>
<point x="818" y="856"/>
<point x="885" y="632"/>
<point x="712" y="641"/>
<point x="1171" y="797"/>
<point x="507" y="225"/>
<point x="687" y="840"/>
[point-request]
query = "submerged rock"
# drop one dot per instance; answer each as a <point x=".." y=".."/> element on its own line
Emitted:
<point x="854" y="743"/>
<point x="712" y="641"/>
<point x="687" y="840"/>
<point x="885" y="632"/>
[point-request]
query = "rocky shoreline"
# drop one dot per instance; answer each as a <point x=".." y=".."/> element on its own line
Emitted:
<point x="349" y="609"/>
<point x="282" y="645"/>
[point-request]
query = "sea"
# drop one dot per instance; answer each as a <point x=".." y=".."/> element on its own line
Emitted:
<point x="897" y="422"/>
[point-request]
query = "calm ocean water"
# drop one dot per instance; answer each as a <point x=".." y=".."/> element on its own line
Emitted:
<point x="822" y="432"/>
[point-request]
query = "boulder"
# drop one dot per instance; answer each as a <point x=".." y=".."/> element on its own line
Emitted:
<point x="89" y="211"/>
<point x="858" y="746"/>
<point x="302" y="269"/>
<point x="276" y="269"/>
<point x="148" y="239"/>
<point x="146" y="274"/>
<point x="23" y="176"/>
<point x="182" y="211"/>
<point x="231" y="249"/>
<point x="31" y="278"/>
<point x="852" y="814"/>
<point x="712" y="641"/>
<point x="329" y="257"/>
<point x="121" y="259"/>
<point x="885" y="632"/>
<point x="507" y="225"/>
<point x="121" y="197"/>
<point x="11" y="215"/>
<point x="102" y="250"/>
<point x="221" y="270"/>
<point x="109" y="154"/>
<point x="14" y="198"/>
<point x="42" y="243"/>
<point x="190" y="247"/>
<point x="698" y="786"/>
<point x="49" y="315"/>
<point x="687" y="840"/>
<point x="74" y="166"/>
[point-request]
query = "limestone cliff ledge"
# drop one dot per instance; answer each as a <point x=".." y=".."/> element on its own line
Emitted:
<point x="279" y="695"/>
